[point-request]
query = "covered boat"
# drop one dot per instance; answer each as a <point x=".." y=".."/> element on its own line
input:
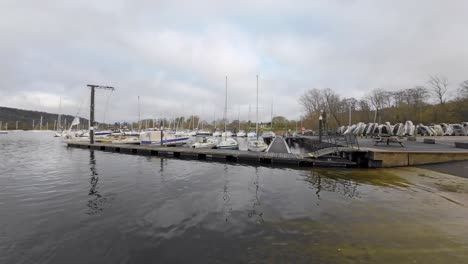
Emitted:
<point x="168" y="139"/>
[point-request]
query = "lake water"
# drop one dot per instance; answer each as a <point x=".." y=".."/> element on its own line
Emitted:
<point x="66" y="205"/>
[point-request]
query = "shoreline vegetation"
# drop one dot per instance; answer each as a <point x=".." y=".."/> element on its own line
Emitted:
<point x="429" y="104"/>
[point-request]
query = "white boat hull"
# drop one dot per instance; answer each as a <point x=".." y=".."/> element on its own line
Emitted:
<point x="257" y="145"/>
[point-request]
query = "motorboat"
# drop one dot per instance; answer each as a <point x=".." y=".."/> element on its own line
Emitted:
<point x="217" y="133"/>
<point x="227" y="134"/>
<point x="168" y="139"/>
<point x="251" y="134"/>
<point x="268" y="136"/>
<point x="203" y="133"/>
<point x="207" y="143"/>
<point x="228" y="143"/>
<point x="241" y="133"/>
<point x="126" y="140"/>
<point x="257" y="145"/>
<point x="181" y="133"/>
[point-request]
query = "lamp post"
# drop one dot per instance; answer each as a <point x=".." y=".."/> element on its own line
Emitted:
<point x="320" y="127"/>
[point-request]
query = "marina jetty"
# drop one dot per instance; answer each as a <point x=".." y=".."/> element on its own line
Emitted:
<point x="334" y="152"/>
<point x="221" y="155"/>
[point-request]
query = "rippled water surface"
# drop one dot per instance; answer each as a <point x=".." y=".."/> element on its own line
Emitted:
<point x="65" y="205"/>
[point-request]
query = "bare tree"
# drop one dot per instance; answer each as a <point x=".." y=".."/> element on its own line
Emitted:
<point x="313" y="101"/>
<point x="439" y="86"/>
<point x="463" y="89"/>
<point x="334" y="104"/>
<point x="417" y="95"/>
<point x="377" y="99"/>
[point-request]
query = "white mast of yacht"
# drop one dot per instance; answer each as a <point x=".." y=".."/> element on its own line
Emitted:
<point x="256" y="118"/>
<point x="238" y="118"/>
<point x="139" y="116"/>
<point x="59" y="118"/>
<point x="225" y="109"/>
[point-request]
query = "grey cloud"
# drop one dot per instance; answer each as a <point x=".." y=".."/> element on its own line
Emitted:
<point x="175" y="54"/>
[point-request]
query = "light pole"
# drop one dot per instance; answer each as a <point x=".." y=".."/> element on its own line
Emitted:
<point x="320" y="126"/>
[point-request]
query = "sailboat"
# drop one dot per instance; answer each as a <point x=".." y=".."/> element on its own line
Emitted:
<point x="59" y="130"/>
<point x="228" y="142"/>
<point x="268" y="136"/>
<point x="206" y="142"/>
<point x="240" y="132"/>
<point x="256" y="143"/>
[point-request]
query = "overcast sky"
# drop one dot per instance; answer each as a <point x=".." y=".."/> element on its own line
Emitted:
<point x="175" y="54"/>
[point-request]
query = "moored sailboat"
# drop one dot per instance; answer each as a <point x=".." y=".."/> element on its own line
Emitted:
<point x="256" y="143"/>
<point x="227" y="142"/>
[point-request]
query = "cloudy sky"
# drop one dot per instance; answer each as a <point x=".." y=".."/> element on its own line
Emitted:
<point x="175" y="54"/>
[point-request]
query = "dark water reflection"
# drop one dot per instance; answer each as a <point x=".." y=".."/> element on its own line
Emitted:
<point x="64" y="205"/>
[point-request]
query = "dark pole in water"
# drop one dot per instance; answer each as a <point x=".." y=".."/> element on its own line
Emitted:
<point x="91" y="109"/>
<point x="162" y="132"/>
<point x="91" y="115"/>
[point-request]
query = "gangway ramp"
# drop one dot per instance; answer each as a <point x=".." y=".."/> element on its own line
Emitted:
<point x="278" y="145"/>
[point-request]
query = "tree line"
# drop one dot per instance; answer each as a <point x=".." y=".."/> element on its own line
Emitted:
<point x="427" y="104"/>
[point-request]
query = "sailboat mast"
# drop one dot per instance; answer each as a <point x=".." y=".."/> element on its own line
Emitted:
<point x="256" y="118"/>
<point x="238" y="118"/>
<point x="225" y="109"/>
<point x="139" y="123"/>
<point x="59" y="125"/>
<point x="248" y="119"/>
<point x="271" y="116"/>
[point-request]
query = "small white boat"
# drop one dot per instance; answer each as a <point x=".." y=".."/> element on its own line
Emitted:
<point x="192" y="133"/>
<point x="203" y="133"/>
<point x="3" y="132"/>
<point x="228" y="143"/>
<point x="217" y="133"/>
<point x="268" y="134"/>
<point x="227" y="134"/>
<point x="241" y="133"/>
<point x="208" y="143"/>
<point x="257" y="145"/>
<point x="252" y="134"/>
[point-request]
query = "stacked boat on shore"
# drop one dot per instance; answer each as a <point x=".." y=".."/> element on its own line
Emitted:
<point x="405" y="129"/>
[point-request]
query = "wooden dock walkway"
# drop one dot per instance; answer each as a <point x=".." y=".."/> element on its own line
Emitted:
<point x="289" y="159"/>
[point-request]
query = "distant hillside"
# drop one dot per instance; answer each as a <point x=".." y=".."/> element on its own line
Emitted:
<point x="25" y="119"/>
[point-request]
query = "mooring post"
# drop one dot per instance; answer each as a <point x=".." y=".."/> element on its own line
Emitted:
<point x="162" y="133"/>
<point x="91" y="115"/>
<point x="91" y="109"/>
